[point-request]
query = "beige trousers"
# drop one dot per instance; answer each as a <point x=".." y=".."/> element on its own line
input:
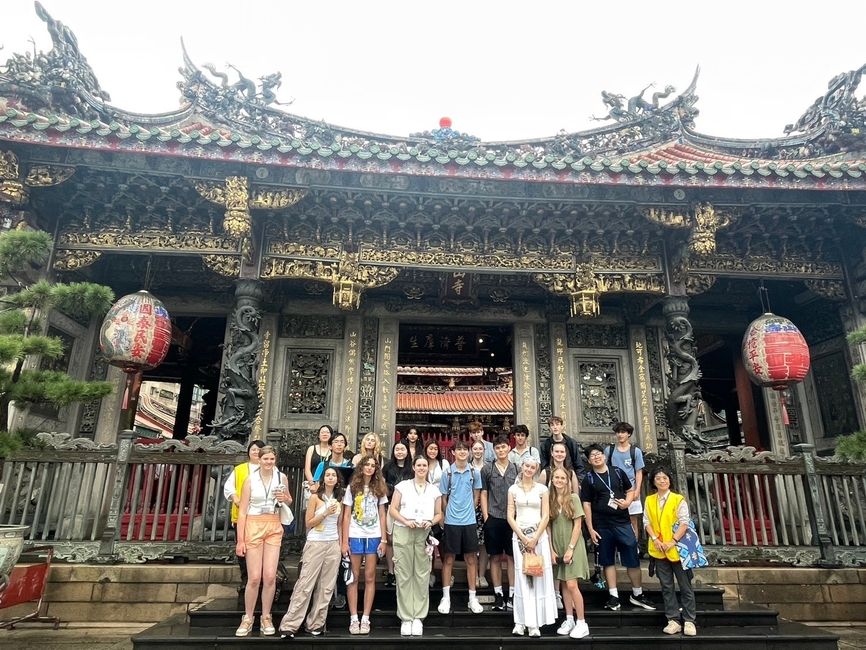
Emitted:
<point x="321" y="560"/>
<point x="412" y="569"/>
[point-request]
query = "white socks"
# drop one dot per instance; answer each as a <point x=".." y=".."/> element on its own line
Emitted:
<point x="614" y="592"/>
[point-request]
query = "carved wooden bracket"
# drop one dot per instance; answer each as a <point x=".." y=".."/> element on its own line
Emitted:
<point x="702" y="225"/>
<point x="347" y="275"/>
<point x="237" y="198"/>
<point x="585" y="286"/>
<point x="15" y="187"/>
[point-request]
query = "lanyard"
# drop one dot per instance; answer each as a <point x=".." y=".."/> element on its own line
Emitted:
<point x="608" y="485"/>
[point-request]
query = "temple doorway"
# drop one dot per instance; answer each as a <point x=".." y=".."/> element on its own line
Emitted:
<point x="179" y="397"/>
<point x="450" y="375"/>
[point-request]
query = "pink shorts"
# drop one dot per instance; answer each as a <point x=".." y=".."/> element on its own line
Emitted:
<point x="263" y="529"/>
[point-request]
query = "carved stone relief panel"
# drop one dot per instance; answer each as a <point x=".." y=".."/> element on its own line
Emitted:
<point x="596" y="336"/>
<point x="307" y="382"/>
<point x="543" y="372"/>
<point x="835" y="398"/>
<point x="315" y="326"/>
<point x="600" y="399"/>
<point x="657" y="382"/>
<point x="367" y="387"/>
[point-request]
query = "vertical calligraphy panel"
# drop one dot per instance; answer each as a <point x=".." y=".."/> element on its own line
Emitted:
<point x="386" y="381"/>
<point x="351" y="378"/>
<point x="525" y="404"/>
<point x="645" y="424"/>
<point x="563" y="381"/>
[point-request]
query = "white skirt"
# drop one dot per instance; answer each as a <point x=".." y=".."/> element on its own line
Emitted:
<point x="534" y="598"/>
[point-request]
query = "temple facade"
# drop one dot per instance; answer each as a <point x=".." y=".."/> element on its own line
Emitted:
<point x="317" y="274"/>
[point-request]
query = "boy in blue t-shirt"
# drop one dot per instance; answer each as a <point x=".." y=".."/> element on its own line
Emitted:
<point x="629" y="458"/>
<point x="460" y="487"/>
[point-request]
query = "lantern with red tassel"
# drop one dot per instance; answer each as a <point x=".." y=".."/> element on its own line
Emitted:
<point x="135" y="336"/>
<point x="775" y="354"/>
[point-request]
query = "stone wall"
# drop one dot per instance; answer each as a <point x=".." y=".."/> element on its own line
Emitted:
<point x="151" y="593"/>
<point x="797" y="594"/>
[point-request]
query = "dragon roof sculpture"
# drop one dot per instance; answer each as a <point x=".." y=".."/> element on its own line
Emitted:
<point x="650" y="138"/>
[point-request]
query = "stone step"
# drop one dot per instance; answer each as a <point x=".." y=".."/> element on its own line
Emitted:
<point x="176" y="633"/>
<point x="460" y="618"/>
<point x="706" y="597"/>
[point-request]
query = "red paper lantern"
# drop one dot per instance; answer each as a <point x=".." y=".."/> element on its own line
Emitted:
<point x="136" y="332"/>
<point x="775" y="354"/>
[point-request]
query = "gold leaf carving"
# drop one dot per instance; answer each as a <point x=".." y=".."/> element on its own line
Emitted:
<point x="225" y="265"/>
<point x="8" y="166"/>
<point x="275" y="200"/>
<point x="72" y="260"/>
<point x="47" y="175"/>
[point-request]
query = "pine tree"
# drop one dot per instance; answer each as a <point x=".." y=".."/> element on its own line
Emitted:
<point x="27" y="301"/>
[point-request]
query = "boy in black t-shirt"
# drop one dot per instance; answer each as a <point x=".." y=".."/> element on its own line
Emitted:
<point x="606" y="494"/>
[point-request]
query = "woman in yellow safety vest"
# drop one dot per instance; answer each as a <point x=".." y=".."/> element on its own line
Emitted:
<point x="666" y="520"/>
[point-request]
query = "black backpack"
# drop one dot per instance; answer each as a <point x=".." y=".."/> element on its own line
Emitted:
<point x="632" y="452"/>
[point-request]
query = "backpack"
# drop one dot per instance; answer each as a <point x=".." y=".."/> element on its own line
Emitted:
<point x="450" y="473"/>
<point x="632" y="452"/>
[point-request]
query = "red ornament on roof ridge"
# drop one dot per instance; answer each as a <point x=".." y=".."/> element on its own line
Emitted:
<point x="444" y="122"/>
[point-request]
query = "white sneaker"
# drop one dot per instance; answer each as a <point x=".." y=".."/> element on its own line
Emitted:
<point x="566" y="627"/>
<point x="559" y="604"/>
<point x="474" y="606"/>
<point x="534" y="632"/>
<point x="406" y="628"/>
<point x="673" y="627"/>
<point x="518" y="630"/>
<point x="580" y="630"/>
<point x="689" y="629"/>
<point x="417" y="627"/>
<point x="482" y="582"/>
<point x="444" y="605"/>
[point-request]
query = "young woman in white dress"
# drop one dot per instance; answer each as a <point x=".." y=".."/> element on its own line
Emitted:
<point x="528" y="516"/>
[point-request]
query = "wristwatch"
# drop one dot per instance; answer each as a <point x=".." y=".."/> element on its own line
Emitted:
<point x="655" y="539"/>
<point x="571" y="547"/>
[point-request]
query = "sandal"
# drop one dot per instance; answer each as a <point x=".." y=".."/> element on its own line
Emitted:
<point x="245" y="627"/>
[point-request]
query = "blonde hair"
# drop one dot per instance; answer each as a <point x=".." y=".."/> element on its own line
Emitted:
<point x="377" y="449"/>
<point x="556" y="507"/>
<point x="267" y="449"/>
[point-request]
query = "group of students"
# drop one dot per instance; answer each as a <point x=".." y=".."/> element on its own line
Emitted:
<point x="523" y="507"/>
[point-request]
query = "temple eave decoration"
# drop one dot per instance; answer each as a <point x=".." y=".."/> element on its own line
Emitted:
<point x="646" y="139"/>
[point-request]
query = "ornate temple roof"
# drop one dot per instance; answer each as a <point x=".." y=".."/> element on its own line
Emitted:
<point x="55" y="99"/>
<point x="478" y="402"/>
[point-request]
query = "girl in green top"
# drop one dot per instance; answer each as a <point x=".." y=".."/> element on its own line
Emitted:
<point x="567" y="551"/>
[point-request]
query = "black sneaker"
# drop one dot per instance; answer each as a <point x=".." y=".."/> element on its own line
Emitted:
<point x="509" y="604"/>
<point x="612" y="604"/>
<point x="498" y="602"/>
<point x="390" y="580"/>
<point x="641" y="601"/>
<point x="316" y="632"/>
<point x="287" y="634"/>
<point x="339" y="601"/>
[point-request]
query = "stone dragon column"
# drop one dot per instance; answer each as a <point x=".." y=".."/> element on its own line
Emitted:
<point x="238" y="385"/>
<point x="685" y="373"/>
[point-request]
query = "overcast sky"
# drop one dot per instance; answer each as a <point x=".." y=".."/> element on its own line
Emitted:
<point x="500" y="70"/>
